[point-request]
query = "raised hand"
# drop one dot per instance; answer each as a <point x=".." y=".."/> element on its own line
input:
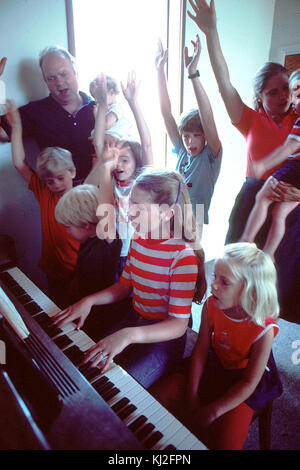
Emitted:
<point x="12" y="114"/>
<point x="161" y="56"/>
<point x="98" y="89"/>
<point x="205" y="15"/>
<point x="131" y="90"/>
<point x="2" y="65"/>
<point x="111" y="151"/>
<point x="191" y="62"/>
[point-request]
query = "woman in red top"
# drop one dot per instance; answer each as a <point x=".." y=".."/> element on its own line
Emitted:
<point x="264" y="128"/>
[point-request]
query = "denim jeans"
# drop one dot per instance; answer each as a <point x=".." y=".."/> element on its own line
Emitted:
<point x="147" y="362"/>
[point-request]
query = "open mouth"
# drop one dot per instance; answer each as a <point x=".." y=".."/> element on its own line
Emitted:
<point x="64" y="92"/>
<point x="119" y="173"/>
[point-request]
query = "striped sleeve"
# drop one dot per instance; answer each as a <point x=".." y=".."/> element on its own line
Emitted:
<point x="184" y="272"/>
<point x="295" y="134"/>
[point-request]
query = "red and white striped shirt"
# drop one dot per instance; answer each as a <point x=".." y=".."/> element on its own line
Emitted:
<point x="163" y="275"/>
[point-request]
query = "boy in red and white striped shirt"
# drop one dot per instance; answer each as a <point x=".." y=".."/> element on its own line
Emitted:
<point x="164" y="272"/>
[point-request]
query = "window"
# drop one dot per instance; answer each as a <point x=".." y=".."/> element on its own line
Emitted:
<point x="118" y="36"/>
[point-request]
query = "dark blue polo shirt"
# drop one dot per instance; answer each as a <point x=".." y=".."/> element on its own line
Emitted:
<point x="52" y="126"/>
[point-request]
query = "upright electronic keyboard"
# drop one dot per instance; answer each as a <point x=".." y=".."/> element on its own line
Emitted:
<point x="86" y="409"/>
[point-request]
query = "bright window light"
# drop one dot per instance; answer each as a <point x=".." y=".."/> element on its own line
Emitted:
<point x="116" y="37"/>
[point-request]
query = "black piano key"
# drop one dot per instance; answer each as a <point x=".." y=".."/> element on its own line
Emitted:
<point x="153" y="439"/>
<point x="144" y="431"/>
<point x="110" y="393"/>
<point x="43" y="319"/>
<point x="74" y="354"/>
<point x="47" y="324"/>
<point x="90" y="374"/>
<point x="7" y="279"/>
<point x="25" y="299"/>
<point x="126" y="411"/>
<point x="17" y="290"/>
<point x="138" y="422"/>
<point x="84" y="367"/>
<point x="62" y="341"/>
<point x="100" y="381"/>
<point x="33" y="308"/>
<point x="102" y="388"/>
<point x="53" y="330"/>
<point x="120" y="404"/>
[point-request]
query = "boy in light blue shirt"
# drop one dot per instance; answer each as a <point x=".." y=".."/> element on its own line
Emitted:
<point x="196" y="140"/>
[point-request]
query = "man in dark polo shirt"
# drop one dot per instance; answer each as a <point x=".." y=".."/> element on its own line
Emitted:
<point x="65" y="118"/>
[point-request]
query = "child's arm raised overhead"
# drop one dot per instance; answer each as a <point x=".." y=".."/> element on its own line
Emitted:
<point x="17" y="148"/>
<point x="205" y="18"/>
<point x="205" y="109"/>
<point x="3" y="135"/>
<point x="164" y="99"/>
<point x="130" y="93"/>
<point x="99" y="91"/>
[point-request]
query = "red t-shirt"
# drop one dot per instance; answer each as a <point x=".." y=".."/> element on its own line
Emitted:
<point x="263" y="135"/>
<point x="232" y="339"/>
<point x="59" y="248"/>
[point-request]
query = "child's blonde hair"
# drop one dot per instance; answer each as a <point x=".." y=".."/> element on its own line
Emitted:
<point x="53" y="159"/>
<point x="257" y="271"/>
<point x="78" y="206"/>
<point x="168" y="188"/>
<point x="295" y="76"/>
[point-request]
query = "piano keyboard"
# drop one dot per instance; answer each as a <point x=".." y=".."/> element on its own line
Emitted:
<point x="154" y="426"/>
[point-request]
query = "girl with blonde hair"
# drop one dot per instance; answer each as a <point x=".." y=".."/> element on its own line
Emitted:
<point x="163" y="273"/>
<point x="232" y="371"/>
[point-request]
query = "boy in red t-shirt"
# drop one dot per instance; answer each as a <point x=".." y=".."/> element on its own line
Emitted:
<point x="54" y="175"/>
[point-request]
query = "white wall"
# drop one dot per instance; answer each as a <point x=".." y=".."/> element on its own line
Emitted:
<point x="285" y="38"/>
<point x="27" y="26"/>
<point x="245" y="30"/>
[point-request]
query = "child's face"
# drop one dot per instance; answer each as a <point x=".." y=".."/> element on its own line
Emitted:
<point x="194" y="142"/>
<point x="81" y="234"/>
<point x="125" y="166"/>
<point x="225" y="288"/>
<point x="296" y="96"/>
<point x="60" y="182"/>
<point x="145" y="216"/>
